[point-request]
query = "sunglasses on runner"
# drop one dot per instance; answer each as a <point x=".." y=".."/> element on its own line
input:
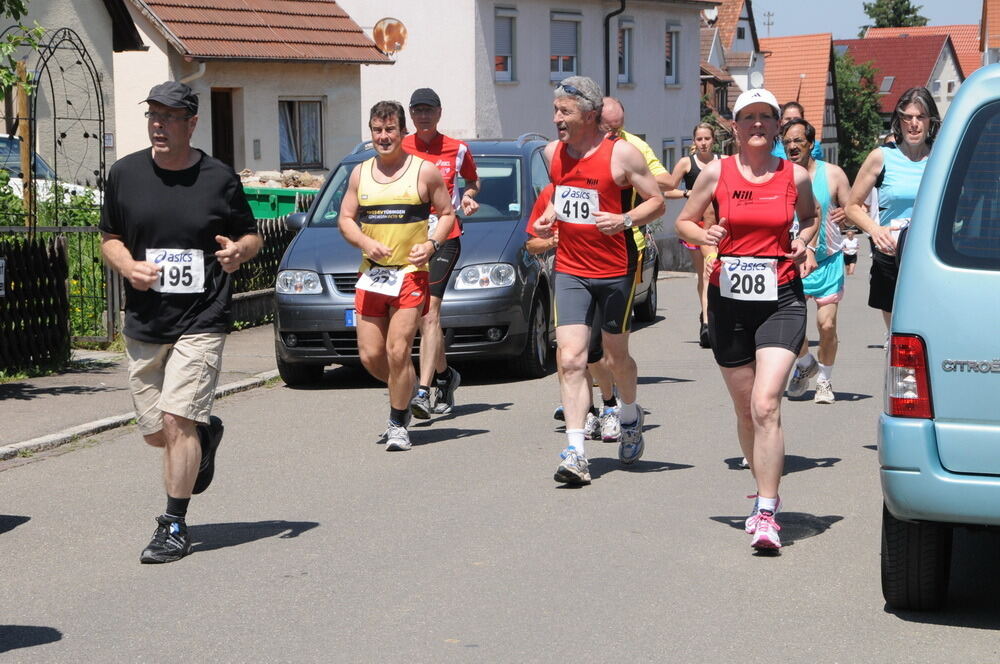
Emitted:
<point x="572" y="90"/>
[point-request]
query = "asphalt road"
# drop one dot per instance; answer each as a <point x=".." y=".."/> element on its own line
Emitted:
<point x="316" y="545"/>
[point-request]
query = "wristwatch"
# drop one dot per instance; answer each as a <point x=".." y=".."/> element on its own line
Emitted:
<point x="434" y="243"/>
<point x="627" y="220"/>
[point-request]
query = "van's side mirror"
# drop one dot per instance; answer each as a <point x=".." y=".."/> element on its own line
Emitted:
<point x="295" y="221"/>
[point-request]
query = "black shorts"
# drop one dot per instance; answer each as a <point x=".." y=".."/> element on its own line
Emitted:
<point x="882" y="282"/>
<point x="596" y="349"/>
<point x="850" y="259"/>
<point x="441" y="265"/>
<point x="578" y="300"/>
<point x="737" y="329"/>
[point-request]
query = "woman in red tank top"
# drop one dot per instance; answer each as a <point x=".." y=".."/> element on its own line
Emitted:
<point x="756" y="308"/>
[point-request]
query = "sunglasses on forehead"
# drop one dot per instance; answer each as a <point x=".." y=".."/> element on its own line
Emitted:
<point x="572" y="90"/>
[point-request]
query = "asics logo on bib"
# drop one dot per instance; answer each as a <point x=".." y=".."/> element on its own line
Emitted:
<point x="575" y="193"/>
<point x="743" y="195"/>
<point x="177" y="257"/>
<point x="744" y="265"/>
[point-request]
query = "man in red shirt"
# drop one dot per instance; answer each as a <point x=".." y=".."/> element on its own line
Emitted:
<point x="453" y="158"/>
<point x="596" y="262"/>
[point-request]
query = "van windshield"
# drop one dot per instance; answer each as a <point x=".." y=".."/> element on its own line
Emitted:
<point x="968" y="233"/>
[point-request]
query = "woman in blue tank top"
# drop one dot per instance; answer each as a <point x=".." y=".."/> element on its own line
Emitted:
<point x="896" y="170"/>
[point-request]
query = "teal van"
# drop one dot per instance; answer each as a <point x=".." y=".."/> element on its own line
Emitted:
<point x="939" y="437"/>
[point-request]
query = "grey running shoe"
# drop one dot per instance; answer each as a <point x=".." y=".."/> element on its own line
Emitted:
<point x="744" y="463"/>
<point x="420" y="405"/>
<point x="397" y="439"/>
<point x="170" y="542"/>
<point x="592" y="427"/>
<point x="444" y="399"/>
<point x="611" y="426"/>
<point x="574" y="469"/>
<point x="631" y="444"/>
<point x="799" y="382"/>
<point x="824" y="392"/>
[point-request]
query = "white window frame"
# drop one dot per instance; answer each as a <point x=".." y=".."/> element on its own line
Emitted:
<point x="674" y="31"/>
<point x="669" y="153"/>
<point x="505" y="14"/>
<point x="560" y="73"/>
<point x="296" y="118"/>
<point x="626" y="47"/>
<point x="886" y="86"/>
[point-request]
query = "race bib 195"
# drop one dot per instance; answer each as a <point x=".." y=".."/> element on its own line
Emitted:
<point x="181" y="270"/>
<point x="576" y="205"/>
<point x="749" y="278"/>
<point x="381" y="280"/>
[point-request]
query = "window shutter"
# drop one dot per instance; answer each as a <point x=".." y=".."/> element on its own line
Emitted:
<point x="502" y="35"/>
<point x="563" y="35"/>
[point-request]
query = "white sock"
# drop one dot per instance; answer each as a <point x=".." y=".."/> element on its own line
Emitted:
<point x="803" y="362"/>
<point x="769" y="504"/>
<point x="629" y="413"/>
<point x="574" y="438"/>
<point x="825" y="371"/>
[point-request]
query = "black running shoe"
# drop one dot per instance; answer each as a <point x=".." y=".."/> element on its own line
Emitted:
<point x="170" y="542"/>
<point x="445" y="396"/>
<point x="210" y="436"/>
<point x="703" y="338"/>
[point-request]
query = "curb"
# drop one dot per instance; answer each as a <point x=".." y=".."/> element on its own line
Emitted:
<point x="55" y="440"/>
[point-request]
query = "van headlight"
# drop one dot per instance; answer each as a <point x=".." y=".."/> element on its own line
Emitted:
<point x="487" y="275"/>
<point x="298" y="282"/>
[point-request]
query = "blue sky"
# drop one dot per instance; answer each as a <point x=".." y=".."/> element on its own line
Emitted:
<point x="844" y="17"/>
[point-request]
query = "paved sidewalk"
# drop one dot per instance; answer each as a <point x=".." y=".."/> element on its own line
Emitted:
<point x="92" y="395"/>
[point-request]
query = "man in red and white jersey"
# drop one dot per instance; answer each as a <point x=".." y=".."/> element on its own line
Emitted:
<point x="453" y="158"/>
<point x="595" y="267"/>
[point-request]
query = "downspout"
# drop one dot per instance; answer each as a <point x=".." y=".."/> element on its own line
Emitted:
<point x="196" y="75"/>
<point x="607" y="47"/>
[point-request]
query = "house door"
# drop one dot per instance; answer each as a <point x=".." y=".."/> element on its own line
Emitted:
<point x="222" y="125"/>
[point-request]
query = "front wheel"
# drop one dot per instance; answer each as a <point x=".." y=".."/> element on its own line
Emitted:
<point x="916" y="558"/>
<point x="533" y="360"/>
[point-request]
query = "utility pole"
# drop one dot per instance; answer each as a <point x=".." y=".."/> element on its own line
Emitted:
<point x="768" y="21"/>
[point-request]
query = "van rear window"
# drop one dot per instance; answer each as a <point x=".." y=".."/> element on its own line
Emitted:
<point x="969" y="228"/>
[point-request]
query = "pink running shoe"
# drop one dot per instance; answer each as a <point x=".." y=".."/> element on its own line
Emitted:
<point x="766" y="534"/>
<point x="751" y="522"/>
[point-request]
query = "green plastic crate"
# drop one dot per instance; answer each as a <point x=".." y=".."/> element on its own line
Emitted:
<point x="271" y="203"/>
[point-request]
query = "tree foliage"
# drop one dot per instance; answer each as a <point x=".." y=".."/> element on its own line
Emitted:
<point x="893" y="14"/>
<point x="858" y="112"/>
<point x="14" y="40"/>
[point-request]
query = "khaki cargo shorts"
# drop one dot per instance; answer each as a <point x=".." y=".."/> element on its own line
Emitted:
<point x="177" y="378"/>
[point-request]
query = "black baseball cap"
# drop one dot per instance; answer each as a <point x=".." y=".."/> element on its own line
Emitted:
<point x="174" y="95"/>
<point x="425" y="97"/>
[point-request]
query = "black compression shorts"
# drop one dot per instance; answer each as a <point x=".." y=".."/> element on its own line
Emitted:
<point x="441" y="265"/>
<point x="737" y="328"/>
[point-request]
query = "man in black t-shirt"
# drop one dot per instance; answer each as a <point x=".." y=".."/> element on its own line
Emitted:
<point x="176" y="224"/>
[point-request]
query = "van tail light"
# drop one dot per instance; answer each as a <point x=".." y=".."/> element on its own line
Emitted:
<point x="908" y="388"/>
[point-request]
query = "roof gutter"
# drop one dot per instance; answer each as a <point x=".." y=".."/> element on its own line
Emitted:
<point x="196" y="75"/>
<point x="607" y="46"/>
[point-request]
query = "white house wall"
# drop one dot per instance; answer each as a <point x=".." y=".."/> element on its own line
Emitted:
<point x="438" y="54"/>
<point x="945" y="70"/>
<point x="135" y="73"/>
<point x="77" y="156"/>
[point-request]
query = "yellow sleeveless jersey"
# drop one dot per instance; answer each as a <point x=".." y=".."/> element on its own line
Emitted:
<point x="393" y="214"/>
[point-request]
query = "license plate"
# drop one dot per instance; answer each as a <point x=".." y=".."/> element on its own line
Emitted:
<point x="349" y="318"/>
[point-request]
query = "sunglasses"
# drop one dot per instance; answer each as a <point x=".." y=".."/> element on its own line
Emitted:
<point x="572" y="90"/>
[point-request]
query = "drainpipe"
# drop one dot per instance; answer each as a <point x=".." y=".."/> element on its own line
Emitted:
<point x="198" y="74"/>
<point x="607" y="47"/>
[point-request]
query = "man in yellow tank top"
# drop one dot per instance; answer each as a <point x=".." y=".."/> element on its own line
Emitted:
<point x="384" y="214"/>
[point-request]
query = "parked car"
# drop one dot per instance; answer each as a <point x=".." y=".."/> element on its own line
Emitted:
<point x="45" y="176"/>
<point x="498" y="302"/>
<point x="939" y="437"/>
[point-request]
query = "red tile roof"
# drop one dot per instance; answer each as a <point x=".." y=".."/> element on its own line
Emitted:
<point x="911" y="60"/>
<point x="796" y="69"/>
<point x="711" y="70"/>
<point x="282" y="30"/>
<point x="965" y="39"/>
<point x="729" y="16"/>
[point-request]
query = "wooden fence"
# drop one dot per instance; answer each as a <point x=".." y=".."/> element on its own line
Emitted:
<point x="34" y="306"/>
